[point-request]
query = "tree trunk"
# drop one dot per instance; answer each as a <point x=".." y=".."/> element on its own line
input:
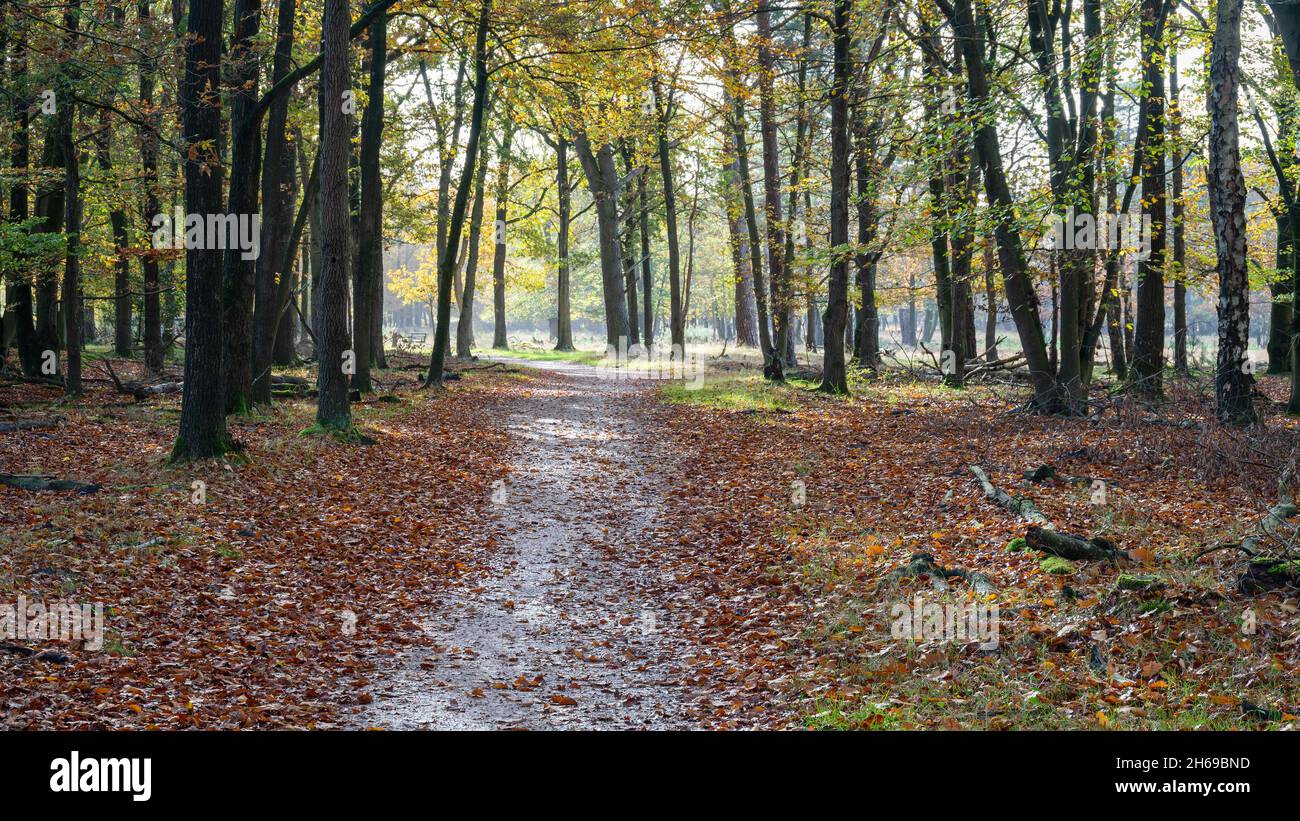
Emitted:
<point x="745" y="306"/>
<point x="465" y="322"/>
<point x="1180" y="245"/>
<point x="499" y="338"/>
<point x="630" y="247"/>
<point x="149" y="140"/>
<point x="834" y="373"/>
<point x="370" y="240"/>
<point x="239" y="274"/>
<point x="456" y="222"/>
<point x="1147" y="365"/>
<point x="275" y="216"/>
<point x="203" y="404"/>
<point x="740" y="131"/>
<point x="1021" y="298"/>
<point x="1227" y="192"/>
<point x="779" y="288"/>
<point x="72" y="206"/>
<point x="676" y="318"/>
<point x="18" y="294"/>
<point x="334" y="355"/>
<point x="563" y="323"/>
<point x="603" y="182"/>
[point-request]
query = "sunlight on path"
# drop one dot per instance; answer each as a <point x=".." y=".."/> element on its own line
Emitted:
<point x="561" y="634"/>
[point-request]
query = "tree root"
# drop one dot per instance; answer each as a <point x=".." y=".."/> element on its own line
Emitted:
<point x="923" y="564"/>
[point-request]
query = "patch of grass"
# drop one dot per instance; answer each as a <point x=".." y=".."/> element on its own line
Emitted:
<point x="748" y="393"/>
<point x="840" y="715"/>
<point x="548" y="355"/>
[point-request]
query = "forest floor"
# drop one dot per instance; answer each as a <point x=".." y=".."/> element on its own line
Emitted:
<point x="559" y="549"/>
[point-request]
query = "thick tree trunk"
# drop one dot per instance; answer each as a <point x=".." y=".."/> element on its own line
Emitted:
<point x="834" y="373"/>
<point x="203" y="403"/>
<point x="1227" y="192"/>
<point x="603" y="182"/>
<point x="334" y="355"/>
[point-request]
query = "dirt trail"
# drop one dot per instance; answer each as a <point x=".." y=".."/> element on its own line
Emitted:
<point x="563" y="632"/>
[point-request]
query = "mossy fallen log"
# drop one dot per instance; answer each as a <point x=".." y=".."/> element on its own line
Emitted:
<point x="1019" y="505"/>
<point x="1052" y="541"/>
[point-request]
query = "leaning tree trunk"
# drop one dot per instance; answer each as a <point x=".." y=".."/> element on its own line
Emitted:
<point x="1021" y="297"/>
<point x="1227" y="191"/>
<point x="456" y="221"/>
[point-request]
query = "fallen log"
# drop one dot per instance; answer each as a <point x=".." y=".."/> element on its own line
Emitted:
<point x="1042" y="535"/>
<point x="26" y="481"/>
<point x="1022" y="507"/>
<point x="31" y="424"/>
<point x="1049" y="540"/>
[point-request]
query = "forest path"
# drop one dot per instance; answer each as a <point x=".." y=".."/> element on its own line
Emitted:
<point x="565" y="631"/>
